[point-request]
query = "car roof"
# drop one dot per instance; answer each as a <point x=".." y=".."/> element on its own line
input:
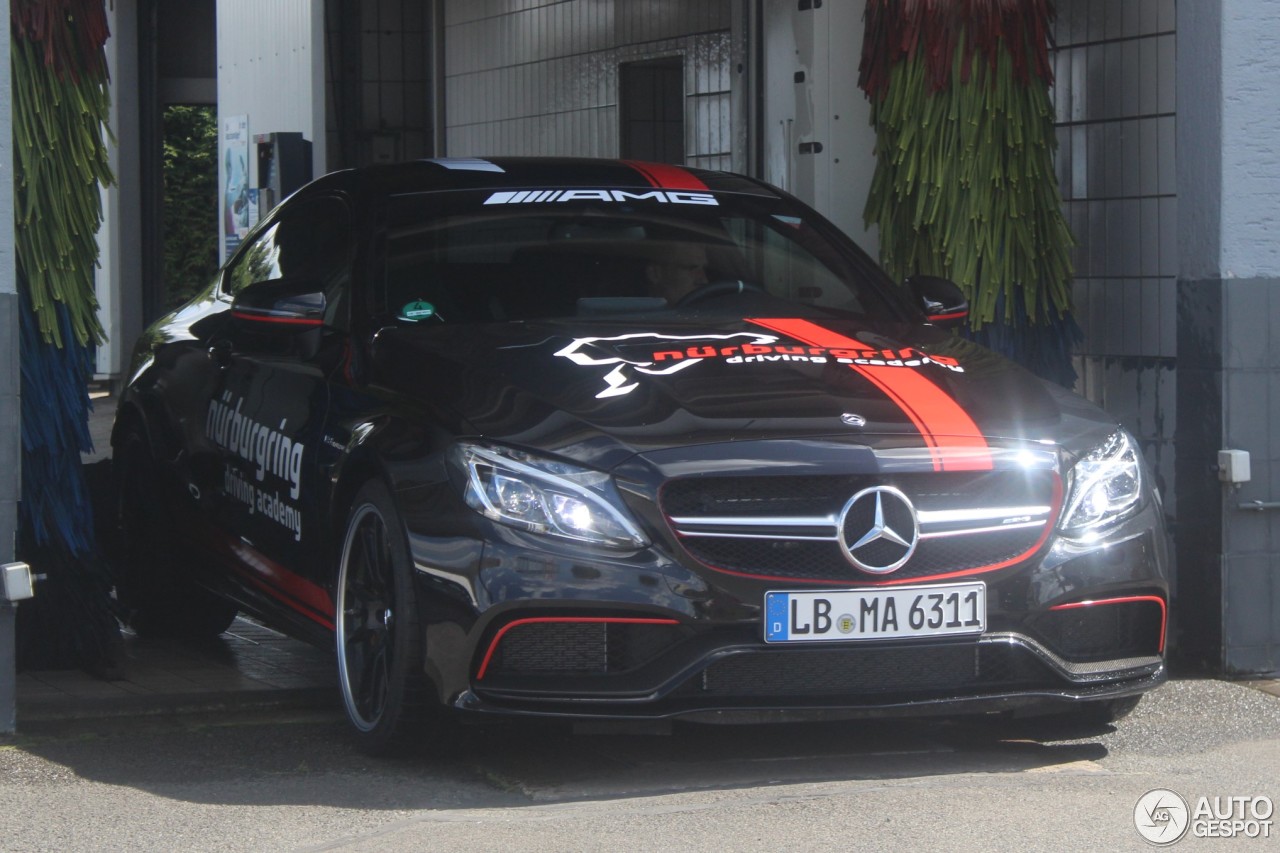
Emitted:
<point x="537" y="172"/>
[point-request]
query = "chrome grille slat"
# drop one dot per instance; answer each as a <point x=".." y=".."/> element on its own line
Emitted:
<point x="999" y="516"/>
<point x="762" y="521"/>
<point x="726" y="525"/>
<point x="969" y="531"/>
<point x="946" y="516"/>
<point x="707" y="534"/>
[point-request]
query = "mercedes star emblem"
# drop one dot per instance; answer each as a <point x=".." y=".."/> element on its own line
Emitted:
<point x="879" y="530"/>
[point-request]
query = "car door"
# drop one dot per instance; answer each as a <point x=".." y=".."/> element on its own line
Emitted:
<point x="268" y="416"/>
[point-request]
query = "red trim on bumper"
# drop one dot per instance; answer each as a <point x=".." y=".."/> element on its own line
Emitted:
<point x="289" y="588"/>
<point x="1129" y="599"/>
<point x="493" y="645"/>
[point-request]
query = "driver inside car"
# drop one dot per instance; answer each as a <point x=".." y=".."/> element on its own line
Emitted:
<point x="678" y="272"/>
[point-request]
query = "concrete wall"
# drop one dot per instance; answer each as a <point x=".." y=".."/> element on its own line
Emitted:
<point x="1250" y="157"/>
<point x="10" y="405"/>
<point x="1228" y="344"/>
<point x="541" y="77"/>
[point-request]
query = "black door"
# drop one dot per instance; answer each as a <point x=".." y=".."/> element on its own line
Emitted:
<point x="268" y="416"/>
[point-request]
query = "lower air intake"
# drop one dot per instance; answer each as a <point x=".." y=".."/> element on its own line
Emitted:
<point x="580" y="648"/>
<point x="868" y="671"/>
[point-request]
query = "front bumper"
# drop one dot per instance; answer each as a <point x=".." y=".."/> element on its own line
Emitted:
<point x="998" y="672"/>
<point x="554" y="634"/>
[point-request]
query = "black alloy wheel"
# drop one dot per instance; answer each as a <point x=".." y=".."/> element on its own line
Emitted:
<point x="379" y="641"/>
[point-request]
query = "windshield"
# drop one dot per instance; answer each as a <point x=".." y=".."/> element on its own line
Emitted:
<point x="483" y="257"/>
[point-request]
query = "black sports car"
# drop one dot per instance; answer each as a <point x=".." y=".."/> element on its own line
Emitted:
<point x="614" y="439"/>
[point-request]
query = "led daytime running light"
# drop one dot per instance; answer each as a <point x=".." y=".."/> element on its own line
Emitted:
<point x="1106" y="486"/>
<point x="546" y="496"/>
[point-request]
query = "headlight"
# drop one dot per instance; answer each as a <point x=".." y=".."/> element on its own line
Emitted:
<point x="1105" y="487"/>
<point x="547" y="496"/>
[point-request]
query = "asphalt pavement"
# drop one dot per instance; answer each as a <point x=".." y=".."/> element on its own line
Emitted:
<point x="290" y="779"/>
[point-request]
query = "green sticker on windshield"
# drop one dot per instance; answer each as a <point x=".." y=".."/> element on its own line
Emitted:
<point x="417" y="311"/>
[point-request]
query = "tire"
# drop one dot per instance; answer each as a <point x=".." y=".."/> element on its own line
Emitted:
<point x="157" y="601"/>
<point x="389" y="701"/>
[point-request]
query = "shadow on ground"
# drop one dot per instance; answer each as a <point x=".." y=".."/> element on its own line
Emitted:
<point x="307" y="758"/>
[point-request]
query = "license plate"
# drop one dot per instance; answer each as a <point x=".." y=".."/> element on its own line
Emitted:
<point x="875" y="614"/>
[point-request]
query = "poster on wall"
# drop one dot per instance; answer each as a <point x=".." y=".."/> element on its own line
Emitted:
<point x="238" y="213"/>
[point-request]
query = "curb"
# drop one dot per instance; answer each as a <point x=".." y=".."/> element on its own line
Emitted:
<point x="1272" y="686"/>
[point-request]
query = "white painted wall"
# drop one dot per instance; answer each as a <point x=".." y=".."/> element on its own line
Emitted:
<point x="825" y="44"/>
<point x="271" y="68"/>
<point x="118" y="281"/>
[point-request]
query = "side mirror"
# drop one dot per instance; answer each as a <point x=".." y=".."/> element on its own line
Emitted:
<point x="281" y="303"/>
<point x="942" y="300"/>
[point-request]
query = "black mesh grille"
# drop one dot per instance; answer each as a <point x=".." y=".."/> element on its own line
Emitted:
<point x="755" y="496"/>
<point x="580" y="648"/>
<point x="863" y="671"/>
<point x="789" y="496"/>
<point x="553" y="647"/>
<point x="1102" y="632"/>
<point x="792" y="495"/>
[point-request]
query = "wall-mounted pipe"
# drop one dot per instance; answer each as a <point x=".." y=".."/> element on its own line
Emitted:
<point x="1258" y="506"/>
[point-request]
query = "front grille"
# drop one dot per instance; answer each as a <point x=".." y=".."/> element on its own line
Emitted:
<point x="823" y="561"/>
<point x="787" y="526"/>
<point x="580" y="648"/>
<point x="813" y="495"/>
<point x="868" y="671"/>
<point x="1129" y="629"/>
<point x="758" y="496"/>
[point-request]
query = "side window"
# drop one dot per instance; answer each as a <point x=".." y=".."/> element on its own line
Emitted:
<point x="308" y="242"/>
<point x="255" y="263"/>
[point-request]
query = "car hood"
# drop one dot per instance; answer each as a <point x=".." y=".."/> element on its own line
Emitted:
<point x="601" y="391"/>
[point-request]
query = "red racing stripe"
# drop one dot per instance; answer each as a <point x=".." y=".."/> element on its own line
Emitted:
<point x="955" y="443"/>
<point x="667" y="177"/>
